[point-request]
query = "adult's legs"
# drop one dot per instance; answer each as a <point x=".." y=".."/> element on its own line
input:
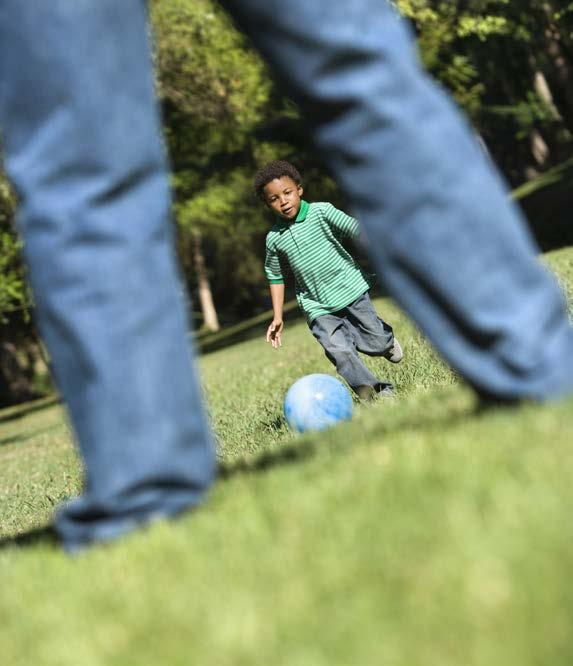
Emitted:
<point x="445" y="240"/>
<point x="83" y="147"/>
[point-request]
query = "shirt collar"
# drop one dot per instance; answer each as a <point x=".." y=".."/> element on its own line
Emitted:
<point x="301" y="217"/>
<point x="303" y="210"/>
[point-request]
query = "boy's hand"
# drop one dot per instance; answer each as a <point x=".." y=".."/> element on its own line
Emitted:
<point x="274" y="333"/>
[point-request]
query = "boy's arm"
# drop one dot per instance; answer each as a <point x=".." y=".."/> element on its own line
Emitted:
<point x="274" y="275"/>
<point x="275" y="329"/>
<point x="342" y="224"/>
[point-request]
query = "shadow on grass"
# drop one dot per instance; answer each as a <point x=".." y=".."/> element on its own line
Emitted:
<point x="300" y="451"/>
<point x="40" y="536"/>
<point x="23" y="437"/>
<point x="303" y="449"/>
<point x="286" y="455"/>
<point x="21" y="411"/>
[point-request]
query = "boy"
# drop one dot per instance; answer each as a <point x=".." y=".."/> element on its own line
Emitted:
<point x="330" y="287"/>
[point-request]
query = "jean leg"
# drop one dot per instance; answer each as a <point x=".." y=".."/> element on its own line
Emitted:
<point x="83" y="148"/>
<point x="372" y="335"/>
<point x="337" y="341"/>
<point x="446" y="242"/>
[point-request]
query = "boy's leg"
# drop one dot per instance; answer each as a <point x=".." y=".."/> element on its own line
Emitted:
<point x="446" y="241"/>
<point x="82" y="145"/>
<point x="372" y="335"/>
<point x="338" y="343"/>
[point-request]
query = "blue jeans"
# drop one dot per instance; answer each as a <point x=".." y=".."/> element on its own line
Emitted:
<point x="355" y="328"/>
<point x="82" y="145"/>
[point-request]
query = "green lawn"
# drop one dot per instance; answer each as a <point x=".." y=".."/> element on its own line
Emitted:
<point x="424" y="532"/>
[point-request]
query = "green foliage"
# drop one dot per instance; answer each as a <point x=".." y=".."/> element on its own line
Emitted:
<point x="488" y="53"/>
<point x="215" y="92"/>
<point x="231" y="227"/>
<point x="11" y="282"/>
<point x="527" y="114"/>
<point x="14" y="291"/>
<point x="208" y="76"/>
<point x="223" y="118"/>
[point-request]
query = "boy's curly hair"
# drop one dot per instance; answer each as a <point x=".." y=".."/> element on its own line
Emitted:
<point x="272" y="170"/>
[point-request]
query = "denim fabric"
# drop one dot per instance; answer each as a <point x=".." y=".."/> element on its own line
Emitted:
<point x="446" y="241"/>
<point x="83" y="147"/>
<point x="355" y="328"/>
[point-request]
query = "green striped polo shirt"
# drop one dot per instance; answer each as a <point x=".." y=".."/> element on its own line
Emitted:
<point x="327" y="278"/>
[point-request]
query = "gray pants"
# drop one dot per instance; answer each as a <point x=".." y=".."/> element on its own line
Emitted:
<point x="355" y="328"/>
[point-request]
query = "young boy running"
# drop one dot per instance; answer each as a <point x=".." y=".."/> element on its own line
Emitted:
<point x="330" y="287"/>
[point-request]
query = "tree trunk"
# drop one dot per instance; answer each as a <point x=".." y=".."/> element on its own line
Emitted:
<point x="210" y="319"/>
<point x="16" y="375"/>
<point x="539" y="148"/>
<point x="542" y="88"/>
<point x="561" y="65"/>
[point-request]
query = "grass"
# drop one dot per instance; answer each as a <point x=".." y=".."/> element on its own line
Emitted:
<point x="423" y="532"/>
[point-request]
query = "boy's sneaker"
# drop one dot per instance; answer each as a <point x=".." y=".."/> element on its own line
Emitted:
<point x="394" y="354"/>
<point x="367" y="393"/>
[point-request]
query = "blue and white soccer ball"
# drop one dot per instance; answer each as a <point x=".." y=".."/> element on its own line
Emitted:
<point x="317" y="402"/>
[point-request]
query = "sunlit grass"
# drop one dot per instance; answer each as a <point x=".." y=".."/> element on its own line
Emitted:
<point x="423" y="532"/>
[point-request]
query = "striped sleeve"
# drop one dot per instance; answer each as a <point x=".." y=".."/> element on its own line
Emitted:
<point x="342" y="224"/>
<point x="272" y="265"/>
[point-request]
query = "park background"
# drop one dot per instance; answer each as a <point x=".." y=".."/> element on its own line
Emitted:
<point x="509" y="65"/>
<point x="427" y="531"/>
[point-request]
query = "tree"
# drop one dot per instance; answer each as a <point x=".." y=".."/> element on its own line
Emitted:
<point x="508" y="64"/>
<point x="214" y="91"/>
<point x="499" y="59"/>
<point x="20" y="351"/>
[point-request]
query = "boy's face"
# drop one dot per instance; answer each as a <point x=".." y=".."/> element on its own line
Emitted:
<point x="282" y="195"/>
